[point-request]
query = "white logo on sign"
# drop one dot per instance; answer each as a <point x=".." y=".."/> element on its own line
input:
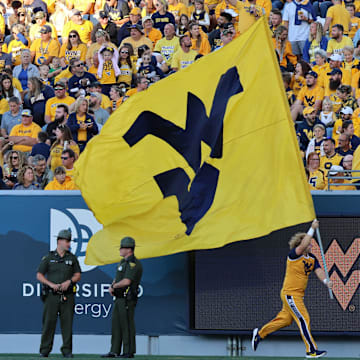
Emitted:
<point x="82" y="224"/>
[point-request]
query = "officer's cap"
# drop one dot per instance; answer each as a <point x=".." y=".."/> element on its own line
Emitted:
<point x="127" y="242"/>
<point x="64" y="234"/>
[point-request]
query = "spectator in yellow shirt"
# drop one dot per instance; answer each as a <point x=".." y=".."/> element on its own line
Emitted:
<point x="74" y="48"/>
<point x="355" y="21"/>
<point x="149" y="31"/>
<point x="337" y="14"/>
<point x="61" y="181"/>
<point x="83" y="27"/>
<point x="283" y="48"/>
<point x="338" y="40"/>
<point x="199" y="40"/>
<point x="43" y="50"/>
<point x="184" y="57"/>
<point x="24" y="135"/>
<point x="40" y="19"/>
<point x="177" y="8"/>
<point x="137" y="38"/>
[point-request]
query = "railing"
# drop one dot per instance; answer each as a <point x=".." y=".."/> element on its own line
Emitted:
<point x="347" y="176"/>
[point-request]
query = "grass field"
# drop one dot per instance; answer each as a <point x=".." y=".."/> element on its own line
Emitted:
<point x="154" y="357"/>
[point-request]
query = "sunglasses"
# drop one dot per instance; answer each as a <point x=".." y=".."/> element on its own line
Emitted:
<point x="64" y="157"/>
<point x="124" y="52"/>
<point x="58" y="89"/>
<point x="72" y="36"/>
<point x="13" y="157"/>
<point x="78" y="65"/>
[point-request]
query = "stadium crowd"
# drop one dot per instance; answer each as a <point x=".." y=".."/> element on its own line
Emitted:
<point x="66" y="65"/>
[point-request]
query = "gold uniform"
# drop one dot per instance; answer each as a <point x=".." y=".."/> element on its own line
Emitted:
<point x="298" y="269"/>
<point x="53" y="102"/>
<point x="326" y="163"/>
<point x="309" y="96"/>
<point x="317" y="180"/>
<point x="21" y="130"/>
<point x="43" y="50"/>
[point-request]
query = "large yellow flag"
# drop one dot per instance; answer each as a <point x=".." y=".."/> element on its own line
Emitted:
<point x="203" y="158"/>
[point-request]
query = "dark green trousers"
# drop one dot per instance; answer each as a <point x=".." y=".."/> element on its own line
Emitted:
<point x="123" y="327"/>
<point x="52" y="308"/>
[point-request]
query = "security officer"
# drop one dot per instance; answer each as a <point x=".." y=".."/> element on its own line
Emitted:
<point x="125" y="289"/>
<point x="62" y="271"/>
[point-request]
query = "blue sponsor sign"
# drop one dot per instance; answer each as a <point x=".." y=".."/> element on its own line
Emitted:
<point x="29" y="225"/>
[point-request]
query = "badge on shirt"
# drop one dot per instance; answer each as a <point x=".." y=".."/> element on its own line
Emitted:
<point x="68" y="262"/>
<point x="120" y="268"/>
<point x="132" y="264"/>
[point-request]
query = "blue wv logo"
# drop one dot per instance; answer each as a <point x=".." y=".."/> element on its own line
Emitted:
<point x="193" y="203"/>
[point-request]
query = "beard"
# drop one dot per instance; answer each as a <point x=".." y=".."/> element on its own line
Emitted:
<point x="60" y="119"/>
<point x="334" y="84"/>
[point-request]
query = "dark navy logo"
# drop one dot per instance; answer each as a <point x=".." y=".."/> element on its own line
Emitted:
<point x="193" y="203"/>
<point x="307" y="267"/>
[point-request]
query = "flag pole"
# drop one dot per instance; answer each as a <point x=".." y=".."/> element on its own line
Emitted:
<point x="324" y="262"/>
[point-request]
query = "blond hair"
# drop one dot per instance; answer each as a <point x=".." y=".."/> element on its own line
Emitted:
<point x="296" y="240"/>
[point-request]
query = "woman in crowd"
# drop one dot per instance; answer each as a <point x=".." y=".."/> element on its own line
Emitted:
<point x="298" y="79"/>
<point x="8" y="88"/>
<point x="316" y="143"/>
<point x="82" y="125"/>
<point x="14" y="161"/>
<point x="321" y="66"/>
<point x="183" y="27"/>
<point x="127" y="68"/>
<point x="26" y="179"/>
<point x="287" y="59"/>
<point x="102" y="40"/>
<point x="317" y="40"/>
<point x="63" y="141"/>
<point x="161" y="16"/>
<point x="116" y="96"/>
<point x="36" y="99"/>
<point x="199" y="39"/>
<point x="316" y="177"/>
<point x="73" y="48"/>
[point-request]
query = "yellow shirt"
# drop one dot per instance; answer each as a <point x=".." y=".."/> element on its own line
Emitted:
<point x="2" y="24"/>
<point x="4" y="106"/>
<point x="322" y="73"/>
<point x="339" y="15"/>
<point x="348" y="71"/>
<point x="326" y="163"/>
<point x="335" y="47"/>
<point x="68" y="184"/>
<point x="167" y="48"/>
<point x="178" y="9"/>
<point x="20" y="130"/>
<point x="70" y="173"/>
<point x="182" y="60"/>
<point x="309" y="96"/>
<point x="136" y="44"/>
<point x="355" y="24"/>
<point x="223" y="6"/>
<point x="83" y="29"/>
<point x="266" y="5"/>
<point x="297" y="84"/>
<point x="55" y="154"/>
<point x="44" y="50"/>
<point x="342" y="187"/>
<point x="246" y="19"/>
<point x="297" y="274"/>
<point x="75" y="52"/>
<point x="14" y="48"/>
<point x="126" y="72"/>
<point x="108" y="73"/>
<point x="17" y="84"/>
<point x="317" y="180"/>
<point x="66" y="74"/>
<point x="81" y="4"/>
<point x="82" y="133"/>
<point x="34" y="32"/>
<point x="154" y="35"/>
<point x="53" y="102"/>
<point x="356" y="121"/>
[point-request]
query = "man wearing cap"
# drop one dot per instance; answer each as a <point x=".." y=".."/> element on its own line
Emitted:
<point x="83" y="27"/>
<point x="59" y="98"/>
<point x="106" y="25"/>
<point x="124" y="30"/>
<point x="169" y="44"/>
<point x="59" y="271"/>
<point x="125" y="288"/>
<point x="44" y="49"/>
<point x="309" y="95"/>
<point x="336" y="183"/>
<point x="31" y="6"/>
<point x="305" y="130"/>
<point x="335" y="61"/>
<point x="137" y="38"/>
<point x="184" y="57"/>
<point x="331" y="157"/>
<point x="40" y="18"/>
<point x="338" y="40"/>
<point x="149" y="31"/>
<point x="346" y="113"/>
<point x="333" y="82"/>
<point x="24" y="135"/>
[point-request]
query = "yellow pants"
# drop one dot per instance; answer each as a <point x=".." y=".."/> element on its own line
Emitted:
<point x="293" y="309"/>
